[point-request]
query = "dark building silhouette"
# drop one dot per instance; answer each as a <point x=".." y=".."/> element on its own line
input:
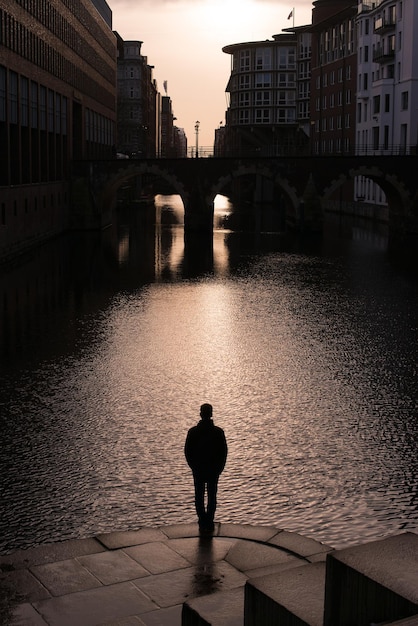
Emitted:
<point x="137" y="102"/>
<point x="57" y="103"/>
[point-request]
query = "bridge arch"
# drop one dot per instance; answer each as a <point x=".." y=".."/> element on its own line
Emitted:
<point x="124" y="174"/>
<point x="398" y="196"/>
<point x="263" y="171"/>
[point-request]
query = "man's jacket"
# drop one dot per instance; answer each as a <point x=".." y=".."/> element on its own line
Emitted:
<point x="206" y="448"/>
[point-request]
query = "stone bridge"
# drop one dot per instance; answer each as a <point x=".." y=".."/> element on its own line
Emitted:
<point x="305" y="185"/>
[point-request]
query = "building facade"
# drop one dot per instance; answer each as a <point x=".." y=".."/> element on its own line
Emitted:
<point x="137" y="102"/>
<point x="57" y="103"/>
<point x="268" y="110"/>
<point x="387" y="92"/>
<point x="333" y="78"/>
<point x="387" y="89"/>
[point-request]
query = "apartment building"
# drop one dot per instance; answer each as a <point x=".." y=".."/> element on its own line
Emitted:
<point x="387" y="84"/>
<point x="333" y="77"/>
<point x="268" y="109"/>
<point x="137" y="102"/>
<point x="57" y="103"/>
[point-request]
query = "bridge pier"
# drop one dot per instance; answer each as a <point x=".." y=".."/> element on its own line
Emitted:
<point x="198" y="213"/>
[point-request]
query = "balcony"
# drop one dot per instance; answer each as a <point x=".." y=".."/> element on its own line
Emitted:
<point x="380" y="55"/>
<point x="384" y="24"/>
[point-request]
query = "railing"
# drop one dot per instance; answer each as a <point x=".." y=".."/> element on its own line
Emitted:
<point x="202" y="152"/>
<point x="279" y="150"/>
<point x="380" y="55"/>
<point x="382" y="24"/>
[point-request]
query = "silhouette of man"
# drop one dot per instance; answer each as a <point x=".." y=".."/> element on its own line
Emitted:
<point x="206" y="451"/>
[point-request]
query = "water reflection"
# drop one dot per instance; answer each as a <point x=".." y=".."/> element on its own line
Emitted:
<point x="306" y="349"/>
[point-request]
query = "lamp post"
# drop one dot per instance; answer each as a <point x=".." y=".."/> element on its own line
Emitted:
<point x="196" y="127"/>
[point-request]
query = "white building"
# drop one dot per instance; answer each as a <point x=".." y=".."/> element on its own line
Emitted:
<point x="387" y="89"/>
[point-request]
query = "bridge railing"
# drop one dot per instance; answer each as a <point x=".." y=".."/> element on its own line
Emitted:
<point x="283" y="151"/>
<point x="277" y="150"/>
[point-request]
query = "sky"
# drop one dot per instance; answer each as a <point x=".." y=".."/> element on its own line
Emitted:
<point x="183" y="40"/>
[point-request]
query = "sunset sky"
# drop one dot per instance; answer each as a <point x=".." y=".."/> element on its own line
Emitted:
<point x="183" y="40"/>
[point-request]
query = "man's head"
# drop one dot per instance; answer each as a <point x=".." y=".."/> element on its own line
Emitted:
<point x="206" y="411"/>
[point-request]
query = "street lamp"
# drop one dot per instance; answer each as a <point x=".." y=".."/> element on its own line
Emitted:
<point x="196" y="127"/>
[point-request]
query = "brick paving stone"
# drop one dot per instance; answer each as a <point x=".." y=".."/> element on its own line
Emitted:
<point x="122" y="539"/>
<point x="247" y="531"/>
<point x="26" y="585"/>
<point x="95" y="606"/>
<point x="304" y="546"/>
<point x="49" y="553"/>
<point x="202" y="549"/>
<point x="65" y="577"/>
<point x="177" y="587"/>
<point x="157" y="557"/>
<point x="163" y="617"/>
<point x="248" y="555"/>
<point x="112" y="567"/>
<point x="26" y="615"/>
<point x="175" y="531"/>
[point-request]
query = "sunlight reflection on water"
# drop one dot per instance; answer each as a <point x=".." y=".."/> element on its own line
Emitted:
<point x="307" y="375"/>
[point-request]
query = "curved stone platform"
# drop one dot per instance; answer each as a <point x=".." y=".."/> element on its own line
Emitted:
<point x="143" y="577"/>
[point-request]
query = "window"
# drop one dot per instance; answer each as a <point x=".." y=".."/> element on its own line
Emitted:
<point x="387" y="103"/>
<point x="263" y="80"/>
<point x="244" y="116"/>
<point x="244" y="81"/>
<point x="375" y="137"/>
<point x="42" y="107"/>
<point x="376" y="104"/>
<point x="13" y="98"/>
<point x="263" y="59"/>
<point x="262" y="116"/>
<point x="244" y="60"/>
<point x="33" y="105"/>
<point x="386" y="137"/>
<point x="244" y="99"/>
<point x="2" y="94"/>
<point x="24" y="101"/>
<point x="404" y="101"/>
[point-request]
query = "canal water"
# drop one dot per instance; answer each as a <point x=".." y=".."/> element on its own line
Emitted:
<point x="306" y="349"/>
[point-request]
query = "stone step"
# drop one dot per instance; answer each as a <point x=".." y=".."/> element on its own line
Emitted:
<point x="375" y="582"/>
<point x="294" y="597"/>
<point x="224" y="608"/>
